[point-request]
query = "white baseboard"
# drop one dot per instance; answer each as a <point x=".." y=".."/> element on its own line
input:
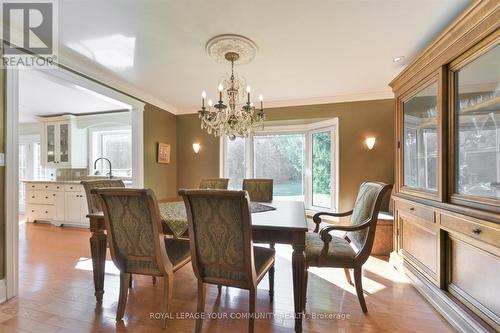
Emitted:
<point x="3" y="291"/>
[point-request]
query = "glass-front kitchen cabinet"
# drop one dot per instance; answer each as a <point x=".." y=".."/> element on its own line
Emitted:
<point x="64" y="145"/>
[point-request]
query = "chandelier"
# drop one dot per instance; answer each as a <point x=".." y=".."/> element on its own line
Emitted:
<point x="234" y="114"/>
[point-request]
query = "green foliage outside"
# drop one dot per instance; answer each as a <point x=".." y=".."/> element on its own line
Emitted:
<point x="321" y="162"/>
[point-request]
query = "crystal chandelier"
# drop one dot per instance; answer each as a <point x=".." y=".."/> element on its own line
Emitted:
<point x="230" y="116"/>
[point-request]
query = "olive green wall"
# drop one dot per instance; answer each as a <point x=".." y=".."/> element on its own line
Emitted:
<point x="357" y="120"/>
<point x="193" y="167"/>
<point x="159" y="126"/>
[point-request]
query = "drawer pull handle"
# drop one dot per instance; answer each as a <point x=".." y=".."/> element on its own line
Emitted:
<point x="46" y="212"/>
<point x="46" y="197"/>
<point x="32" y="197"/>
<point x="476" y="231"/>
<point x="54" y="195"/>
<point x="32" y="210"/>
<point x="412" y="208"/>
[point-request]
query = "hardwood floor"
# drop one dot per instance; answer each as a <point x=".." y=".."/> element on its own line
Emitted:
<point x="56" y="295"/>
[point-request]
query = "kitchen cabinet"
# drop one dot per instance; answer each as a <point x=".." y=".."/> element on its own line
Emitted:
<point x="64" y="144"/>
<point x="59" y="203"/>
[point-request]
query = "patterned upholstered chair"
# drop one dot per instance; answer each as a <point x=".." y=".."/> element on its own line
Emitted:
<point x="93" y="202"/>
<point x="259" y="190"/>
<point x="137" y="243"/>
<point x="220" y="232"/>
<point x="214" y="183"/>
<point x="325" y="250"/>
<point x="89" y="185"/>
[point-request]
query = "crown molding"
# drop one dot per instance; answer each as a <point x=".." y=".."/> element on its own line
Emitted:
<point x="358" y="97"/>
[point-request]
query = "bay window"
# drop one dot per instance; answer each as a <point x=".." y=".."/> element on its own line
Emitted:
<point x="302" y="160"/>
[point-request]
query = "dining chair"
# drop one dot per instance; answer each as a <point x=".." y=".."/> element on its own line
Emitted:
<point x="214" y="183"/>
<point x="259" y="189"/>
<point x="220" y="232"/>
<point x="351" y="251"/>
<point x="89" y="185"/>
<point x="93" y="202"/>
<point x="137" y="243"/>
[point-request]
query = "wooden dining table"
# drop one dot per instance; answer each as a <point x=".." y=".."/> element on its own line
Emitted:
<point x="284" y="225"/>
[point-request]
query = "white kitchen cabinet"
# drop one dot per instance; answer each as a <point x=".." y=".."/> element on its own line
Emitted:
<point x="64" y="145"/>
<point x="59" y="203"/>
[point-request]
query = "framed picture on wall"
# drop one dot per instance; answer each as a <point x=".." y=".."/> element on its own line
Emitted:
<point x="163" y="153"/>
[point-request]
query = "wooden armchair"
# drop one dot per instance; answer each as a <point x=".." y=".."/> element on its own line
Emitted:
<point x="137" y="243"/>
<point x="214" y="183"/>
<point x="324" y="250"/>
<point x="220" y="232"/>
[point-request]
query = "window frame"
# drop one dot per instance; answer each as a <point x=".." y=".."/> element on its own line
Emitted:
<point x="92" y="153"/>
<point x="307" y="130"/>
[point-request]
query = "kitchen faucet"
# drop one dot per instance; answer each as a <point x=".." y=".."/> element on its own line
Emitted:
<point x="110" y="167"/>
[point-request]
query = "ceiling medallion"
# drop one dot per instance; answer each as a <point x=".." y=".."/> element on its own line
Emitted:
<point x="231" y="115"/>
<point x="220" y="45"/>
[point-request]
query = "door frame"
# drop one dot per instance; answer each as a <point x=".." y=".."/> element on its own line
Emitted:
<point x="10" y="286"/>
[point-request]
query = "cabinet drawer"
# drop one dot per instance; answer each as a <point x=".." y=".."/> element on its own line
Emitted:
<point x="44" y="186"/>
<point x="475" y="230"/>
<point x="41" y="212"/>
<point x="417" y="210"/>
<point x="41" y="197"/>
<point x="73" y="188"/>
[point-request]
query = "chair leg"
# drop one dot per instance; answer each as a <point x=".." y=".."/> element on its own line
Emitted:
<point x="122" y="300"/>
<point x="200" y="308"/>
<point x="251" y="310"/>
<point x="154" y="279"/>
<point x="219" y="289"/>
<point x="305" y="287"/>
<point x="359" y="287"/>
<point x="130" y="281"/>
<point x="271" y="246"/>
<point x="167" y="296"/>
<point x="348" y="275"/>
<point x="271" y="284"/>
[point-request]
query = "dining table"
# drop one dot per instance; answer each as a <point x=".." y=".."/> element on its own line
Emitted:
<point x="282" y="222"/>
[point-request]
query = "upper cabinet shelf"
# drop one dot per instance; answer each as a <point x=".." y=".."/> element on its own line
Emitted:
<point x="64" y="145"/>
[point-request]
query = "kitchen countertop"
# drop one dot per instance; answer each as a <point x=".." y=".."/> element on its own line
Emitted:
<point x="127" y="182"/>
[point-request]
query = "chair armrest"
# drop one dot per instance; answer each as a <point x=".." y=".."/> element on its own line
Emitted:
<point x="325" y="231"/>
<point x="317" y="217"/>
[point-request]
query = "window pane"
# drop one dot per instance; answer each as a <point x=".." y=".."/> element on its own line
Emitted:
<point x="321" y="169"/>
<point x="118" y="149"/>
<point x="281" y="158"/>
<point x="420" y="140"/>
<point x="235" y="162"/>
<point x="478" y="126"/>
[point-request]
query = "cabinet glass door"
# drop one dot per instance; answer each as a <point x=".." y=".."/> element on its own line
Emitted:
<point x="64" y="143"/>
<point x="51" y="143"/>
<point x="420" y="139"/>
<point x="477" y="126"/>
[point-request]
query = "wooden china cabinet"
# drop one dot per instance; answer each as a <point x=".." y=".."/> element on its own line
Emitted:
<point x="447" y="192"/>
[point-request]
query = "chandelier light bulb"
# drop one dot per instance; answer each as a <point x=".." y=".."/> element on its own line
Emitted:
<point x="249" y="89"/>
<point x="203" y="94"/>
<point x="261" y="97"/>
<point x="251" y="104"/>
<point x="210" y="102"/>
<point x="221" y="87"/>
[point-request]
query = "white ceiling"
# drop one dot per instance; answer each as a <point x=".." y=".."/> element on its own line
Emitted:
<point x="43" y="94"/>
<point x="309" y="51"/>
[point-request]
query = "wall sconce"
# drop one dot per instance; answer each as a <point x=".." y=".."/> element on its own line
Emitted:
<point x="196" y="147"/>
<point x="370" y="142"/>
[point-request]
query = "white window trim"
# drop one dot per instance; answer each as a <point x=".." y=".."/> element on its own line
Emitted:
<point x="307" y="130"/>
<point x="95" y="129"/>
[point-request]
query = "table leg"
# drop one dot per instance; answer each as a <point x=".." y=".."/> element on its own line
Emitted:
<point x="299" y="272"/>
<point x="98" y="242"/>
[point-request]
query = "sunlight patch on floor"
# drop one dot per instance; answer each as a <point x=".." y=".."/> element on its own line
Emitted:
<point x="85" y="264"/>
